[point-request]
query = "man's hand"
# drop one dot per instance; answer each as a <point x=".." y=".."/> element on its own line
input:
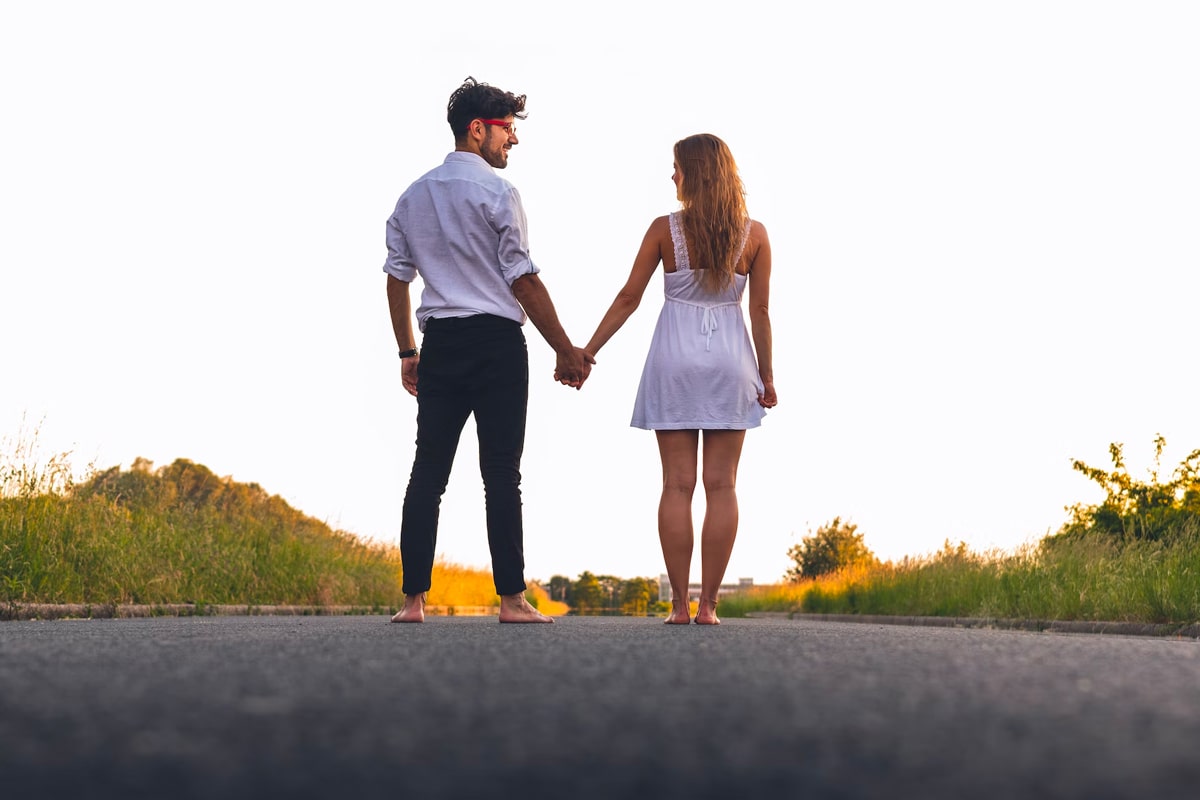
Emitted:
<point x="573" y="367"/>
<point x="400" y="309"/>
<point x="573" y="363"/>
<point x="408" y="374"/>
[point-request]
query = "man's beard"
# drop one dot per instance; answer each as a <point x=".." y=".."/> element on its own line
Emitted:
<point x="495" y="156"/>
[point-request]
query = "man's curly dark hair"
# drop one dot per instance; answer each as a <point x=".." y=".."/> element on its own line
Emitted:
<point x="474" y="100"/>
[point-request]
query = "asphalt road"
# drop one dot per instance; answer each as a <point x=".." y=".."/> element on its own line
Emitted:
<point x="354" y="707"/>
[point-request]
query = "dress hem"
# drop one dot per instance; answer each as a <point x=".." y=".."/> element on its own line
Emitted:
<point x="685" y="426"/>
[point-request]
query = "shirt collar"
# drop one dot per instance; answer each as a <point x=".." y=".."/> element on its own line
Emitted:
<point x="464" y="157"/>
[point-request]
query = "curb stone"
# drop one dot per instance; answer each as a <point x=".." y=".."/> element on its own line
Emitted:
<point x="50" y="611"/>
<point x="1178" y="630"/>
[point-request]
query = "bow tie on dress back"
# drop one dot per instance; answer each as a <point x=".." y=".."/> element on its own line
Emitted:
<point x="708" y="324"/>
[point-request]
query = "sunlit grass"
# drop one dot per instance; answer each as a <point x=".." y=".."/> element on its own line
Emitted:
<point x="63" y="546"/>
<point x="57" y="549"/>
<point x="60" y="544"/>
<point x="539" y="598"/>
<point x="1086" y="580"/>
<point x="454" y="586"/>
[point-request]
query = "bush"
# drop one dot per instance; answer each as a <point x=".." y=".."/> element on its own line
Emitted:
<point x="1134" y="510"/>
<point x="834" y="547"/>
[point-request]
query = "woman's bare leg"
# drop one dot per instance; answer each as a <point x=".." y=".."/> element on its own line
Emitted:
<point x="677" y="450"/>
<point x="722" y="452"/>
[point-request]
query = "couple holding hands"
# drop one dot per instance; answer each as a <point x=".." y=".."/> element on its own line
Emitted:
<point x="706" y="380"/>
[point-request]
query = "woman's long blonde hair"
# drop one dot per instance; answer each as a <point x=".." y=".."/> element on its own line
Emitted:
<point x="714" y="208"/>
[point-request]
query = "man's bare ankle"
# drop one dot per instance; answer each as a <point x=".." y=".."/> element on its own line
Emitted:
<point x="515" y="608"/>
<point x="413" y="609"/>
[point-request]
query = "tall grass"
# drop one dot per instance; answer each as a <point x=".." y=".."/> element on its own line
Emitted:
<point x="1086" y="579"/>
<point x="63" y="549"/>
<point x="182" y="535"/>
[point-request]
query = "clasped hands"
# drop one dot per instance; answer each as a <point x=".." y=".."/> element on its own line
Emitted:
<point x="572" y="368"/>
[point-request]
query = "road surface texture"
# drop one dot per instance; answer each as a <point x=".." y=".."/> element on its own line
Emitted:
<point x="589" y="707"/>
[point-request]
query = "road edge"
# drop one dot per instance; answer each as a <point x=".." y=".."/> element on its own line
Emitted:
<point x="1176" y="630"/>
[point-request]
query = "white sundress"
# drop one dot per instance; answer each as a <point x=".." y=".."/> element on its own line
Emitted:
<point x="701" y="372"/>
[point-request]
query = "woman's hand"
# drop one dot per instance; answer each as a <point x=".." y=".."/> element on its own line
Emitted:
<point x="574" y="367"/>
<point x="768" y="399"/>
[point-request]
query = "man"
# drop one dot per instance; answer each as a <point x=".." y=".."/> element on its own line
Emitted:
<point x="462" y="228"/>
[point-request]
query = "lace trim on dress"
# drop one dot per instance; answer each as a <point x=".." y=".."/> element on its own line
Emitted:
<point x="681" y="254"/>
<point x="742" y="246"/>
<point x="680" y="244"/>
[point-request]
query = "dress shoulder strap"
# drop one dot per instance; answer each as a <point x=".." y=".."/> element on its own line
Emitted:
<point x="680" y="244"/>
<point x="742" y="246"/>
<point x="677" y="240"/>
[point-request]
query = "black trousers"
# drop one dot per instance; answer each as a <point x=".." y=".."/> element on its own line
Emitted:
<point x="471" y="365"/>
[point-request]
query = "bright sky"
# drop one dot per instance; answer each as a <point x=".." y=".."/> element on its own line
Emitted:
<point x="984" y="218"/>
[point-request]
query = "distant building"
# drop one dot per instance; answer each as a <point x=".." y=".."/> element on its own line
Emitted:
<point x="664" y="588"/>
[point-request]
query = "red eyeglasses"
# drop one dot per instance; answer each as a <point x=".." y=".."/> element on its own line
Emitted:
<point x="508" y="127"/>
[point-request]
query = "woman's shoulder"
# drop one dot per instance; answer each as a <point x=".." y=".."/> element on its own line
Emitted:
<point x="658" y="237"/>
<point x="757" y="234"/>
<point x="757" y="247"/>
<point x="660" y="226"/>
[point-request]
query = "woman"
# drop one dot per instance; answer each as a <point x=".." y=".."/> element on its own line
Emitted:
<point x="703" y="381"/>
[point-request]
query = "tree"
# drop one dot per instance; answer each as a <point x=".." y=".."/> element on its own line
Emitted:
<point x="587" y="594"/>
<point x="833" y="547"/>
<point x="1135" y="510"/>
<point x="637" y="594"/>
<point x="560" y="588"/>
<point x="610" y="593"/>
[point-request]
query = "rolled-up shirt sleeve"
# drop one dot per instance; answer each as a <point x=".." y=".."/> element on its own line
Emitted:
<point x="513" y="246"/>
<point x="399" y="263"/>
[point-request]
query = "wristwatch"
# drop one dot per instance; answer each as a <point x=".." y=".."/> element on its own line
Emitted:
<point x="409" y="353"/>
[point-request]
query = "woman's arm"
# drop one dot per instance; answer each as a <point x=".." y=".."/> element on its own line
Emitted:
<point x="630" y="297"/>
<point x="760" y="317"/>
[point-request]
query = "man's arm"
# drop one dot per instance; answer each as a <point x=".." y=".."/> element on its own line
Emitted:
<point x="573" y="365"/>
<point x="400" y="307"/>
